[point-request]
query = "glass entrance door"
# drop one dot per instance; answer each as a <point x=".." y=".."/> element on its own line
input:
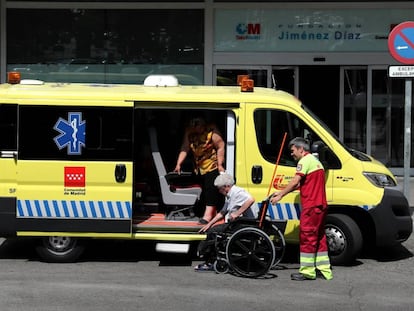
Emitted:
<point x="387" y="139"/>
<point x="372" y="114"/>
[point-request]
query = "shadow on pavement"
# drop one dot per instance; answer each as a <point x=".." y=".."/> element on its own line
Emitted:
<point x="135" y="251"/>
<point x="387" y="254"/>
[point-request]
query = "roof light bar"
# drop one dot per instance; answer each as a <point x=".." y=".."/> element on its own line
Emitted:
<point x="246" y="84"/>
<point x="14" y="77"/>
<point x="161" y="80"/>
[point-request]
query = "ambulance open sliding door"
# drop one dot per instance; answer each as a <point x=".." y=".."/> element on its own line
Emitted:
<point x="8" y="165"/>
<point x="75" y="170"/>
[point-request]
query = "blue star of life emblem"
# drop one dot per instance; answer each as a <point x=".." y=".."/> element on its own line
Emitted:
<point x="72" y="133"/>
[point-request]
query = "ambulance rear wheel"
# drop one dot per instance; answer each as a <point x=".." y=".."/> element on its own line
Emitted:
<point x="344" y="239"/>
<point x="60" y="249"/>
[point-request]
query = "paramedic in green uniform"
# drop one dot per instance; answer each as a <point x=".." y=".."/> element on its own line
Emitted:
<point x="310" y="179"/>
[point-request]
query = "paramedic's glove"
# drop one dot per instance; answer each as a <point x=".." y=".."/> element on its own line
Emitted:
<point x="276" y="197"/>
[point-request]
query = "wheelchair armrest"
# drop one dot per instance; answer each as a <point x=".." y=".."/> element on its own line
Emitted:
<point x="184" y="179"/>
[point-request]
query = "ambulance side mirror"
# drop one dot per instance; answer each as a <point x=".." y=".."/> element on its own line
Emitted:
<point x="318" y="147"/>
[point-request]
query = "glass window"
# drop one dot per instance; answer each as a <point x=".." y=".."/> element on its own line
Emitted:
<point x="355" y="108"/>
<point x="388" y="100"/>
<point x="106" y="46"/>
<point x="8" y="127"/>
<point x="269" y="139"/>
<point x="228" y="77"/>
<point x="283" y="78"/>
<point x="77" y="133"/>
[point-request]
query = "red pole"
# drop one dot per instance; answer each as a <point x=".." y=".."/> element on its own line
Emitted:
<point x="266" y="202"/>
<point x="277" y="163"/>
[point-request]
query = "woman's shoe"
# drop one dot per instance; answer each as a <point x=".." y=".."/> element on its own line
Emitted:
<point x="204" y="267"/>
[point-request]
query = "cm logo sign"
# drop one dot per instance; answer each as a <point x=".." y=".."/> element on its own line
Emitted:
<point x="249" y="29"/>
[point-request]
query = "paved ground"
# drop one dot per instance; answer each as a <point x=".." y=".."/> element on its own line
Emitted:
<point x="120" y="275"/>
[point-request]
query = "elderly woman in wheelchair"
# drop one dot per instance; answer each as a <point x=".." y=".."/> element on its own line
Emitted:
<point x="246" y="244"/>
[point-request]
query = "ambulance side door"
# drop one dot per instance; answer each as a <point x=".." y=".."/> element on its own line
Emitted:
<point x="75" y="169"/>
<point x="264" y="135"/>
<point x="8" y="167"/>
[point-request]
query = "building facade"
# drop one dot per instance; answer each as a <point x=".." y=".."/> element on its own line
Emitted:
<point x="333" y="55"/>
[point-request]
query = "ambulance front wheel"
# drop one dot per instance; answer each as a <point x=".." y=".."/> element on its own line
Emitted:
<point x="60" y="249"/>
<point x="344" y="239"/>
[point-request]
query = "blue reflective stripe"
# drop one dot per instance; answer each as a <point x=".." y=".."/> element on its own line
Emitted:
<point x="92" y="206"/>
<point x="270" y="212"/>
<point x="65" y="209"/>
<point x="111" y="210"/>
<point x="56" y="208"/>
<point x="38" y="210"/>
<point x="289" y="212"/>
<point x="83" y="207"/>
<point x="120" y="211"/>
<point x="19" y="209"/>
<point x="129" y="209"/>
<point x="47" y="208"/>
<point x="284" y="211"/>
<point x="29" y="208"/>
<point x="279" y="211"/>
<point x="102" y="209"/>
<point x="297" y="209"/>
<point x="74" y="209"/>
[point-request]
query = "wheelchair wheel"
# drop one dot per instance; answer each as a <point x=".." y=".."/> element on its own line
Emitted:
<point x="279" y="243"/>
<point x="221" y="266"/>
<point x="250" y="252"/>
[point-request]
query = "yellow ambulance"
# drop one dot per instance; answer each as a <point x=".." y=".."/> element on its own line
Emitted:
<point x="85" y="161"/>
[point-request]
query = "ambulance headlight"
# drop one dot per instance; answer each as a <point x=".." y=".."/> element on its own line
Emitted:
<point x="380" y="180"/>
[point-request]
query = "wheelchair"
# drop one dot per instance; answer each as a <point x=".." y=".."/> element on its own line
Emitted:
<point x="250" y="247"/>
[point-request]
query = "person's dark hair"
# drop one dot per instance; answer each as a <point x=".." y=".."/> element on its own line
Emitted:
<point x="197" y="122"/>
<point x="299" y="142"/>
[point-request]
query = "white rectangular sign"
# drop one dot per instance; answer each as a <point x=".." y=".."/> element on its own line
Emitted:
<point x="305" y="30"/>
<point x="401" y="71"/>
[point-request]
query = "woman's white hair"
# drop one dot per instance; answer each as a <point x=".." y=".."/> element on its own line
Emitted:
<point x="224" y="180"/>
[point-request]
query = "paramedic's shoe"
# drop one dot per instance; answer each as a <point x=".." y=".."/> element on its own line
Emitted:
<point x="320" y="275"/>
<point x="299" y="277"/>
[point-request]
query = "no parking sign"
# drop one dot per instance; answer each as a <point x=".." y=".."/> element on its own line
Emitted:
<point x="401" y="46"/>
<point x="401" y="43"/>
